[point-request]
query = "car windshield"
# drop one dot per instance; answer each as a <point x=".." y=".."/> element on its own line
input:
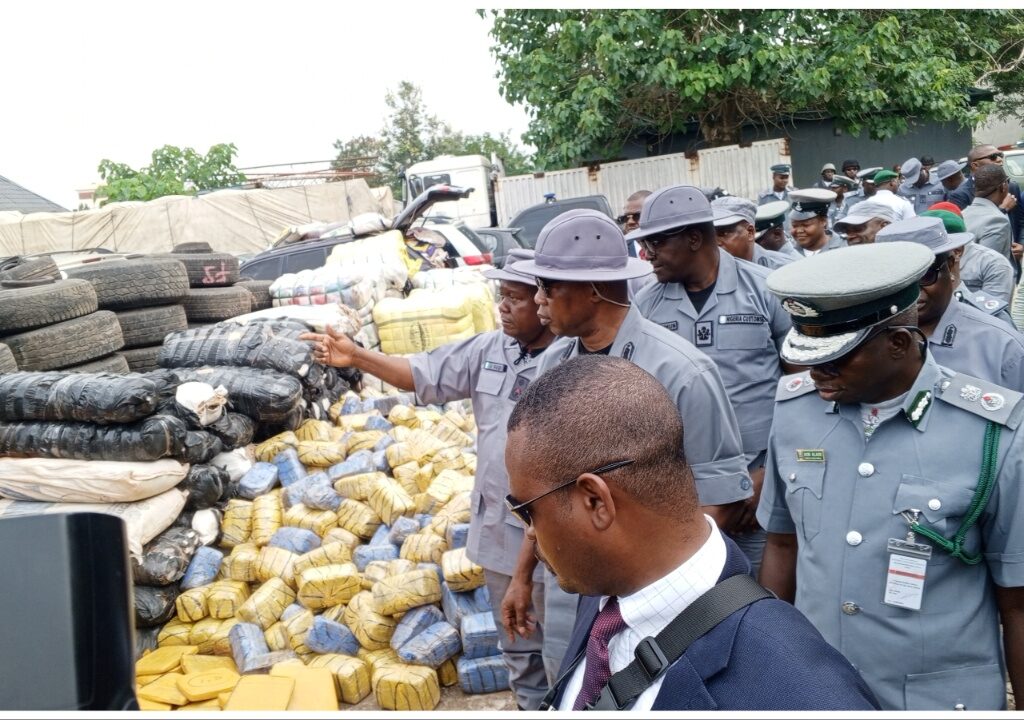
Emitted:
<point x="1014" y="164"/>
<point x="532" y="220"/>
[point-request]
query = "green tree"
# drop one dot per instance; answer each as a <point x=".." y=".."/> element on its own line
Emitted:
<point x="173" y="171"/>
<point x="593" y="80"/>
<point x="411" y="134"/>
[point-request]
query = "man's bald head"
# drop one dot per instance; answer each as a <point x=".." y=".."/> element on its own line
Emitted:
<point x="988" y="179"/>
<point x="638" y="196"/>
<point x="593" y="410"/>
<point x="979" y="151"/>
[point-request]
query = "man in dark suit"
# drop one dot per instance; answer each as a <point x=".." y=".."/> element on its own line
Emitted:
<point x="598" y="477"/>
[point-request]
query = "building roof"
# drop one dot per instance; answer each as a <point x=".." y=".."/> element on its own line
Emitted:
<point x="14" y="197"/>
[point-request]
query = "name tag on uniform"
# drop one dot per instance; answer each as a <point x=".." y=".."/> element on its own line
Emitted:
<point x="673" y="325"/>
<point x="742" y="319"/>
<point x="496" y="367"/>
<point x="817" y="455"/>
<point x="904" y="578"/>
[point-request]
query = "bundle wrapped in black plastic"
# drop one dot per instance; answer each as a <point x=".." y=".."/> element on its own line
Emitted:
<point x="165" y="559"/>
<point x="145" y="639"/>
<point x="154" y="605"/>
<point x="234" y="430"/>
<point x="100" y="398"/>
<point x="253" y="345"/>
<point x="154" y="438"/>
<point x="266" y="396"/>
<point x="205" y="485"/>
<point x="200" y="447"/>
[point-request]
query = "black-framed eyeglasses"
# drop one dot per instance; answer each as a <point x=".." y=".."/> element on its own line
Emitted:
<point x="626" y="217"/>
<point x="651" y="243"/>
<point x="545" y="285"/>
<point x="522" y="509"/>
<point x="931" y="275"/>
<point x="993" y="157"/>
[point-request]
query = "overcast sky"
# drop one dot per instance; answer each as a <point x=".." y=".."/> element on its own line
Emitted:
<point x="281" y="80"/>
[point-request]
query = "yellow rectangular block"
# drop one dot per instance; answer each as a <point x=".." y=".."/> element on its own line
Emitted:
<point x="323" y="587"/>
<point x="265" y="693"/>
<point x="142" y="680"/>
<point x="201" y="663"/>
<point x="222" y="699"/>
<point x="208" y="684"/>
<point x="163" y="659"/>
<point x="204" y="706"/>
<point x="314" y="687"/>
<point x="151" y="705"/>
<point x="164" y="690"/>
<point x="174" y="633"/>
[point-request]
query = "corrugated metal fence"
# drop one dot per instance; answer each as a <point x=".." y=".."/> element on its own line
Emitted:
<point x="740" y="170"/>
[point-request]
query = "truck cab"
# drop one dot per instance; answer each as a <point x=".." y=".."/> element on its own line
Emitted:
<point x="469" y="171"/>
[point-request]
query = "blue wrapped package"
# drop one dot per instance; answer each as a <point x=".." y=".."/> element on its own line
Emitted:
<point x="203" y="569"/>
<point x="294" y="494"/>
<point x="380" y="461"/>
<point x="351" y="405"/>
<point x="356" y="464"/>
<point x="423" y="519"/>
<point x="383" y="444"/>
<point x="482" y="596"/>
<point x="482" y="675"/>
<point x="319" y="493"/>
<point x="289" y="468"/>
<point x="260" y="480"/>
<point x="414" y="622"/>
<point x="403" y="528"/>
<point x="378" y="422"/>
<point x="385" y="404"/>
<point x="366" y="554"/>
<point x="381" y="536"/>
<point x="432" y="566"/>
<point x="297" y="540"/>
<point x="291" y="610"/>
<point x="457" y="605"/>
<point x="432" y="647"/>
<point x="247" y="643"/>
<point x="479" y="636"/>
<point x="457" y="535"/>
<point x="328" y="636"/>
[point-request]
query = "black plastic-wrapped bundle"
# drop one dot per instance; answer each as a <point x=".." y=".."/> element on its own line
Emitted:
<point x="154" y="605"/>
<point x="264" y="395"/>
<point x="145" y="639"/>
<point x="205" y="485"/>
<point x="200" y="447"/>
<point x="165" y="559"/>
<point x="233" y="429"/>
<point x="251" y="345"/>
<point x="100" y="398"/>
<point x="154" y="438"/>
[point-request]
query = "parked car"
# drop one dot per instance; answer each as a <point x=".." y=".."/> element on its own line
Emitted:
<point x="531" y="220"/>
<point x="499" y="241"/>
<point x="1013" y="164"/>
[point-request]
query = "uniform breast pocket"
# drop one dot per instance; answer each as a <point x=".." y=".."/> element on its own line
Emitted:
<point x="804" y="486"/>
<point x="743" y="336"/>
<point x="941" y="507"/>
<point x="490" y="382"/>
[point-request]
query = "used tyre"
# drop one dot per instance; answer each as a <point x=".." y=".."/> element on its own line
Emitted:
<point x="7" y="362"/>
<point x="67" y="343"/>
<point x="191" y="247"/>
<point x="43" y="268"/>
<point x="208" y="269"/>
<point x="141" y="282"/>
<point x="149" y="326"/>
<point x="25" y="308"/>
<point x="115" y="363"/>
<point x="143" y="359"/>
<point x="216" y="304"/>
<point x="260" y="291"/>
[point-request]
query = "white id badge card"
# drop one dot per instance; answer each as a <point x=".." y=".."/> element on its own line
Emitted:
<point x="904" y="580"/>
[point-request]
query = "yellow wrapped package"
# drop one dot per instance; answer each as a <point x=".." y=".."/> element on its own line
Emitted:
<point x="399" y="453"/>
<point x="390" y="501"/>
<point x="319" y="521"/>
<point x="343" y="536"/>
<point x="298" y="626"/>
<point x="454" y="512"/>
<point x="164" y="690"/>
<point x="374" y="572"/>
<point x="460" y="573"/>
<point x="237" y="524"/>
<point x="377" y="659"/>
<point x="163" y="660"/>
<point x="448" y="433"/>
<point x="399" y="593"/>
<point x="423" y="546"/>
<point x="358" y="487"/>
<point x="358" y="518"/>
<point x="277" y="637"/>
<point x="220" y="644"/>
<point x="243" y="563"/>
<point x="400" y="567"/>
<point x="372" y="630"/>
<point x="265" y="606"/>
<point x="276" y="562"/>
<point x="425" y="476"/>
<point x="226" y="596"/>
<point x="334" y="553"/>
<point x="174" y="633"/>
<point x="425" y="415"/>
<point x="448" y="484"/>
<point x="269" y="449"/>
<point x="425" y="504"/>
<point x="404" y="415"/>
<point x="351" y="675"/>
<point x="448" y="673"/>
<point x="313" y="430"/>
<point x="202" y="663"/>
<point x="471" y="460"/>
<point x="364" y="440"/>
<point x="319" y="453"/>
<point x="356" y="422"/>
<point x="459" y="420"/>
<point x="335" y="614"/>
<point x="324" y="587"/>
<point x="424" y="446"/>
<point x="481" y="299"/>
<point x="406" y="687"/>
<point x="400" y="433"/>
<point x="451" y="458"/>
<point x="202" y="632"/>
<point x="266" y="517"/>
<point x="191" y="604"/>
<point x="405" y="475"/>
<point x="423" y="321"/>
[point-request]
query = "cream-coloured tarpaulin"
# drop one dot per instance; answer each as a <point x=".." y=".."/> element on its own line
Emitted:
<point x="234" y="221"/>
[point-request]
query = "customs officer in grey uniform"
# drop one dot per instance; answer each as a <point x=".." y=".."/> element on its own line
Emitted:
<point x="780" y="185"/>
<point x="723" y="307"/>
<point x="959" y="336"/>
<point x="492" y="369"/>
<point x="734" y="227"/>
<point x="919" y="187"/>
<point x="893" y="496"/>
<point x="981" y="269"/>
<point x="861" y="225"/>
<point x="770" y="229"/>
<point x="809" y="218"/>
<point x="581" y="268"/>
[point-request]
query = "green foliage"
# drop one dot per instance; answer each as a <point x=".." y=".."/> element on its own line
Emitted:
<point x="593" y="80"/>
<point x="411" y="134"/>
<point x="173" y="171"/>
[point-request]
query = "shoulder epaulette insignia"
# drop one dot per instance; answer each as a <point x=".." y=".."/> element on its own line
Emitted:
<point x="984" y="399"/>
<point x="791" y="386"/>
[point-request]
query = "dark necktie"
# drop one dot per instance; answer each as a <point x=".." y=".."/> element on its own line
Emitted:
<point x="608" y="623"/>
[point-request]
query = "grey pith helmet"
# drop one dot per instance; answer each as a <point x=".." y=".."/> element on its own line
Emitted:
<point x="947" y="168"/>
<point x="583" y="246"/>
<point x="509" y="271"/>
<point x="911" y="170"/>
<point x="731" y="209"/>
<point x="836" y="298"/>
<point x="927" y="231"/>
<point x="672" y="208"/>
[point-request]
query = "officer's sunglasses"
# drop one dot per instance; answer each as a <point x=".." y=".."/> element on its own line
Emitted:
<point x="651" y="243"/>
<point x="931" y="275"/>
<point x="626" y="217"/>
<point x="522" y="509"/>
<point x="993" y="157"/>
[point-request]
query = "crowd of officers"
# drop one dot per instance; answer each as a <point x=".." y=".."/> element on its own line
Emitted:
<point x="849" y="380"/>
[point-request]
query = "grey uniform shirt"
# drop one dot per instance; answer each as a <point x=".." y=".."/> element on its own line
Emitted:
<point x="973" y="342"/>
<point x="483" y="369"/>
<point x="711" y="437"/>
<point x="983" y="269"/>
<point x="851" y="198"/>
<point x="740" y="327"/>
<point x="986" y="303"/>
<point x="772" y="259"/>
<point x="833" y="240"/>
<point x="922" y="197"/>
<point x="844" y="497"/>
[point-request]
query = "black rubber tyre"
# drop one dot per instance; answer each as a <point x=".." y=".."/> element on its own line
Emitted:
<point x="216" y="304"/>
<point x="7" y="362"/>
<point x="26" y="308"/>
<point x="260" y="291"/>
<point x="43" y="268"/>
<point x="115" y="363"/>
<point x="124" y="284"/>
<point x="149" y="326"/>
<point x="191" y="247"/>
<point x="72" y="342"/>
<point x="208" y="269"/>
<point x="143" y="359"/>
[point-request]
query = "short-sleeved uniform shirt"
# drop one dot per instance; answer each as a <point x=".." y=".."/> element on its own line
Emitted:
<point x="973" y="342"/>
<point x="844" y="497"/>
<point x="772" y="259"/>
<point x="985" y="303"/>
<point x="922" y="197"/>
<point x="740" y="327"/>
<point x="984" y="270"/>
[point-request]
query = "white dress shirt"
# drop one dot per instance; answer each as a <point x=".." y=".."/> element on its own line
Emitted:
<point x="649" y="610"/>
<point x="904" y="208"/>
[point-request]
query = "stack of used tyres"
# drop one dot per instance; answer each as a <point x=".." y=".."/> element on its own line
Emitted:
<point x="344" y="551"/>
<point x="49" y="323"/>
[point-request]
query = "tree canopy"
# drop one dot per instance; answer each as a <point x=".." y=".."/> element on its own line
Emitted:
<point x="173" y="171"/>
<point x="412" y="134"/>
<point x="593" y="80"/>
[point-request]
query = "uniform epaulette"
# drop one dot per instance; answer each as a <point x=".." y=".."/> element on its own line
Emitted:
<point x="983" y="398"/>
<point x="791" y="386"/>
<point x="986" y="303"/>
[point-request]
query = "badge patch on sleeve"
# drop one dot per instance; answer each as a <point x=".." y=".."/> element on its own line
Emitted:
<point x="704" y="334"/>
<point x="522" y="382"/>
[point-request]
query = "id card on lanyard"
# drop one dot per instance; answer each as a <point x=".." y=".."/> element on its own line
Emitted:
<point x="905" y="576"/>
